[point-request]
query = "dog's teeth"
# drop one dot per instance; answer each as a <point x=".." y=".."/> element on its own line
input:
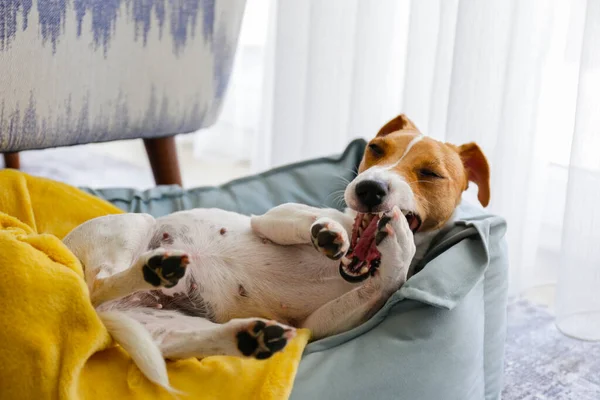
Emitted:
<point x="364" y="270"/>
<point x="346" y="261"/>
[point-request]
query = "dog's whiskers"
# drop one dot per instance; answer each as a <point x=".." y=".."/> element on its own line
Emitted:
<point x="338" y="197"/>
<point x="340" y="200"/>
<point x="352" y="171"/>
<point x="424" y="199"/>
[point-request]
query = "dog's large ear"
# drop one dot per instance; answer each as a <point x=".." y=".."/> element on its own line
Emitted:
<point x="401" y="122"/>
<point x="478" y="170"/>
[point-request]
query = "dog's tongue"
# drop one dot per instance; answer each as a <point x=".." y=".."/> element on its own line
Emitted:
<point x="366" y="241"/>
<point x="363" y="256"/>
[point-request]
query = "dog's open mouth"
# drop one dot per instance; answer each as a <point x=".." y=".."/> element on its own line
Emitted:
<point x="363" y="257"/>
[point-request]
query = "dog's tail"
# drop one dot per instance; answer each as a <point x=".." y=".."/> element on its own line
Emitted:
<point x="138" y="342"/>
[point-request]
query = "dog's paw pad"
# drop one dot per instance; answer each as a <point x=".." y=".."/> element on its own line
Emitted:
<point x="263" y="339"/>
<point x="165" y="269"/>
<point x="389" y="225"/>
<point x="384" y="226"/>
<point x="329" y="239"/>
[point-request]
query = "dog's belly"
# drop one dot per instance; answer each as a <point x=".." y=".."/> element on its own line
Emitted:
<point x="239" y="275"/>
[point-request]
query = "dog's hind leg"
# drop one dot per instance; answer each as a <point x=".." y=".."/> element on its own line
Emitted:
<point x="180" y="336"/>
<point x="153" y="269"/>
<point x="116" y="259"/>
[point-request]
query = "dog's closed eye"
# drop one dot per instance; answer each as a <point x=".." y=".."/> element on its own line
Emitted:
<point x="376" y="150"/>
<point x="428" y="173"/>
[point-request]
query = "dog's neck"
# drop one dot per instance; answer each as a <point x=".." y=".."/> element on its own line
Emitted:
<point x="423" y="243"/>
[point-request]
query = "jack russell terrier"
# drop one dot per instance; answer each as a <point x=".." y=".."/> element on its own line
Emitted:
<point x="194" y="283"/>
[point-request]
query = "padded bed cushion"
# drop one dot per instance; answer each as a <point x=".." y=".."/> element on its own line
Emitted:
<point x="441" y="336"/>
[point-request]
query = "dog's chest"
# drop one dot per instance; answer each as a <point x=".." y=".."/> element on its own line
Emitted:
<point x="196" y="228"/>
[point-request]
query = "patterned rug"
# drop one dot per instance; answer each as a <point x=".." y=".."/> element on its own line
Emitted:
<point x="542" y="363"/>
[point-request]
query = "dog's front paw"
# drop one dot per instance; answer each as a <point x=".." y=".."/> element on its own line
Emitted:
<point x="393" y="227"/>
<point x="329" y="238"/>
<point x="394" y="240"/>
<point x="261" y="339"/>
<point x="165" y="268"/>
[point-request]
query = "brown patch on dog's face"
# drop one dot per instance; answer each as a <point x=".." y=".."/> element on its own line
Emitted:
<point x="437" y="173"/>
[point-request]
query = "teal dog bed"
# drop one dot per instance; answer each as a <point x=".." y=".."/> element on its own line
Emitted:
<point x="440" y="337"/>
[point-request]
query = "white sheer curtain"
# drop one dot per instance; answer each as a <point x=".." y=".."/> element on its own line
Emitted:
<point x="520" y="77"/>
<point x="231" y="138"/>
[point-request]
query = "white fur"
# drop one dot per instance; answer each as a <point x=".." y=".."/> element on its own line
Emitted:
<point x="264" y="266"/>
<point x="399" y="194"/>
<point x="270" y="257"/>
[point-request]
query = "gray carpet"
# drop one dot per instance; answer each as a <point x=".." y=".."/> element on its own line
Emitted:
<point x="541" y="363"/>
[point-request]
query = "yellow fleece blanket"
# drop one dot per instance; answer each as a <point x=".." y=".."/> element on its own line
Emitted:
<point x="53" y="345"/>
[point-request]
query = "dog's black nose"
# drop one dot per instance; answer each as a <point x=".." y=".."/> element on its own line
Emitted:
<point x="371" y="193"/>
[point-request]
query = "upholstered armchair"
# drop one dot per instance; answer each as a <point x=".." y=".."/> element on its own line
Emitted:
<point x="86" y="71"/>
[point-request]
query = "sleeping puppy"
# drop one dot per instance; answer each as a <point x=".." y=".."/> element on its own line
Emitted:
<point x="210" y="282"/>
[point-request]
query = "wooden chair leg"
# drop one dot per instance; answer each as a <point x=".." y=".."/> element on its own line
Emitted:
<point x="162" y="154"/>
<point x="12" y="160"/>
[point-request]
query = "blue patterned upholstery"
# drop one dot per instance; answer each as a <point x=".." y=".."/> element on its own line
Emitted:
<point x="81" y="71"/>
